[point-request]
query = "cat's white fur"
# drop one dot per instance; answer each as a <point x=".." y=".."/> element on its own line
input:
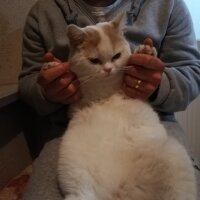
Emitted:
<point x="115" y="148"/>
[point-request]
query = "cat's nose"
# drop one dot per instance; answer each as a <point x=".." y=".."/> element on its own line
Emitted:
<point x="108" y="70"/>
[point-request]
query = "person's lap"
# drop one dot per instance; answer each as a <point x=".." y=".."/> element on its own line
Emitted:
<point x="43" y="182"/>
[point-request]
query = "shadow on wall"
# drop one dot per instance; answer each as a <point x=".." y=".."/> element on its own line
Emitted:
<point x="10" y="52"/>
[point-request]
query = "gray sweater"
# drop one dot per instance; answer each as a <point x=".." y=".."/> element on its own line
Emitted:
<point x="167" y="22"/>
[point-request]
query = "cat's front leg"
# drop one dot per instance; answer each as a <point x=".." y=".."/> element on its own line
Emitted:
<point x="146" y="48"/>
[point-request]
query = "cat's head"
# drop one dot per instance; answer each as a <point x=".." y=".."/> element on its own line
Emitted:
<point x="100" y="49"/>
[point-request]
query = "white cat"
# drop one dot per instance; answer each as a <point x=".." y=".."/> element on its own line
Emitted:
<point x="115" y="148"/>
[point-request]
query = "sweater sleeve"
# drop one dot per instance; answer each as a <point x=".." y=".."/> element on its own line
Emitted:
<point x="33" y="52"/>
<point x="180" y="83"/>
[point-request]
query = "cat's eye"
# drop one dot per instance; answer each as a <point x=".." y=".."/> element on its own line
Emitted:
<point x="116" y="56"/>
<point x="94" y="61"/>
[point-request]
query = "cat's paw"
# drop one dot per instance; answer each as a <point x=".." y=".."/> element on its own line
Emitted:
<point x="146" y="48"/>
<point x="49" y="65"/>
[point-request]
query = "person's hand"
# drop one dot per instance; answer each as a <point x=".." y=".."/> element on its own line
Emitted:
<point x="58" y="82"/>
<point x="143" y="77"/>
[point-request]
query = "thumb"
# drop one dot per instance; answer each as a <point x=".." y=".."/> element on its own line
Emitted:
<point x="148" y="41"/>
<point x="49" y="57"/>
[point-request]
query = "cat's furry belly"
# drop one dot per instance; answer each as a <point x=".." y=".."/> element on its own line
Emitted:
<point x="119" y="150"/>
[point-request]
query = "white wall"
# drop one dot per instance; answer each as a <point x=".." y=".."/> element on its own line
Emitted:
<point x="12" y="18"/>
<point x="194" y="7"/>
<point x="190" y="119"/>
<point x="190" y="122"/>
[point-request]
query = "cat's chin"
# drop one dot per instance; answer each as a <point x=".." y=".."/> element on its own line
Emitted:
<point x="99" y="90"/>
<point x="106" y="74"/>
<point x="109" y="74"/>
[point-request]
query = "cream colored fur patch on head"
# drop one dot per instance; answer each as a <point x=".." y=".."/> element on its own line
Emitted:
<point x="92" y="39"/>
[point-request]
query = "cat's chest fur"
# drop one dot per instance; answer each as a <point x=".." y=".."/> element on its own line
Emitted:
<point x="99" y="89"/>
<point x="118" y="117"/>
<point x="115" y="147"/>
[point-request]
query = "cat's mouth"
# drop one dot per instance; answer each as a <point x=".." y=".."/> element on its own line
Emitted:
<point x="100" y="76"/>
<point x="106" y="73"/>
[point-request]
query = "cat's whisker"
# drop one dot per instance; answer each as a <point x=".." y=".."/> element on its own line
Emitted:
<point x="125" y="67"/>
<point x="123" y="70"/>
<point x="87" y="76"/>
<point x="85" y="79"/>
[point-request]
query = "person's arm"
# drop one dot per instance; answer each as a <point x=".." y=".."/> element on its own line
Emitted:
<point x="180" y="82"/>
<point x="45" y="90"/>
<point x="33" y="52"/>
<point x="174" y="88"/>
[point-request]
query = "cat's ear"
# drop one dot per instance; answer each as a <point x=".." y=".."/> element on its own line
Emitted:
<point x="75" y="35"/>
<point x="119" y="21"/>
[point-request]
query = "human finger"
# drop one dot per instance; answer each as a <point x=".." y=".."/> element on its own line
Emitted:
<point x="146" y="61"/>
<point x="148" y="41"/>
<point x="60" y="83"/>
<point x="49" y="57"/>
<point x="140" y="73"/>
<point x="133" y="93"/>
<point x="137" y="84"/>
<point x="72" y="99"/>
<point x="47" y="76"/>
<point x="70" y="90"/>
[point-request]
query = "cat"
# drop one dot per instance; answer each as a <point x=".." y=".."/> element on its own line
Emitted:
<point x="115" y="147"/>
